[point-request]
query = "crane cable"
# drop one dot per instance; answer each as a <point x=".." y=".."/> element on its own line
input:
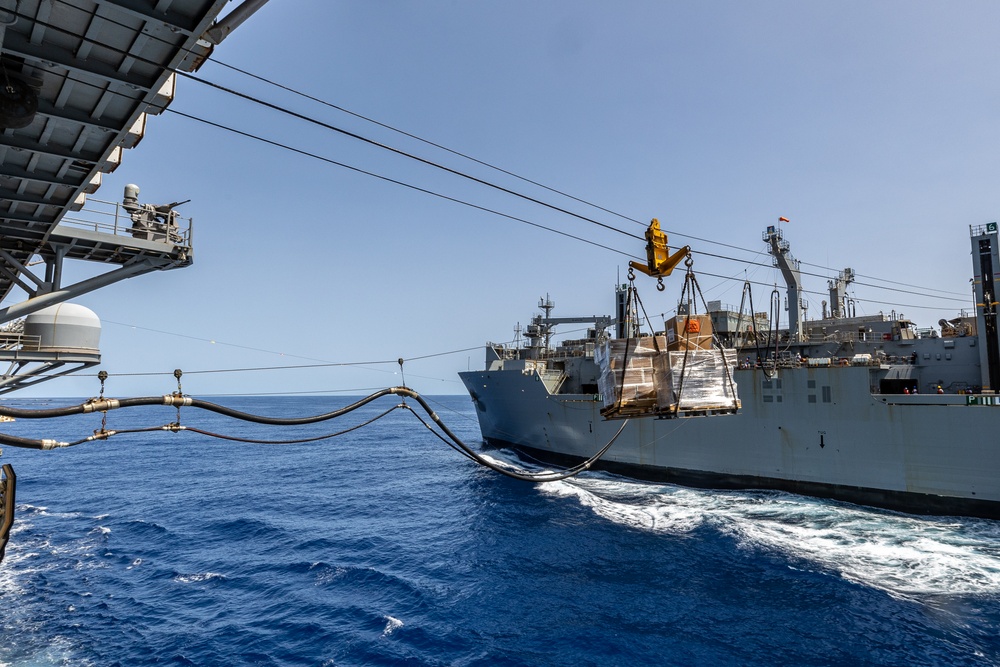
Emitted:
<point x="179" y="400"/>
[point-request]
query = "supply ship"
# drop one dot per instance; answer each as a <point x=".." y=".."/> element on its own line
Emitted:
<point x="864" y="409"/>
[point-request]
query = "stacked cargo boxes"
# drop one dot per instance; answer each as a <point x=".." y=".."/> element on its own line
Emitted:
<point x="626" y="380"/>
<point x="678" y="373"/>
<point x="695" y="381"/>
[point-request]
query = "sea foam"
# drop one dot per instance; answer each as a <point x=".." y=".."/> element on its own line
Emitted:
<point x="902" y="554"/>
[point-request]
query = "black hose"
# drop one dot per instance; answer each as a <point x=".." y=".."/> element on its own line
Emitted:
<point x="298" y="441"/>
<point x="178" y="400"/>
<point x="527" y="477"/>
<point x="28" y="443"/>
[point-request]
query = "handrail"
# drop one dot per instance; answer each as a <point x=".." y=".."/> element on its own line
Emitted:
<point x="10" y="340"/>
<point x="121" y="224"/>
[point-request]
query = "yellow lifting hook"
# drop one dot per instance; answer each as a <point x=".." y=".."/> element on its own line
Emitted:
<point x="661" y="262"/>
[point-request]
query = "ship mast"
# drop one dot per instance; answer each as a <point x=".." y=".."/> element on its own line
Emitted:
<point x="838" y="294"/>
<point x="780" y="251"/>
<point x="986" y="262"/>
<point x="547" y="305"/>
<point x="539" y="332"/>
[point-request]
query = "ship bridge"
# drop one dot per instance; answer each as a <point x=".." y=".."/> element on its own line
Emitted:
<point x="78" y="79"/>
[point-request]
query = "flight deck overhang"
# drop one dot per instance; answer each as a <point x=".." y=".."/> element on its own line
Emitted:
<point x="78" y="80"/>
<point x="95" y="70"/>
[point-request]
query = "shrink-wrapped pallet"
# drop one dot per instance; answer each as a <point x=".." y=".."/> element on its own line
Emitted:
<point x="626" y="380"/>
<point x="695" y="380"/>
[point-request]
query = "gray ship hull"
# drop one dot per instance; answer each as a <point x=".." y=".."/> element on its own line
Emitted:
<point x="817" y="431"/>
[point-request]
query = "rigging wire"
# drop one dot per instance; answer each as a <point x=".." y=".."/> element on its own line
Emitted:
<point x="528" y="222"/>
<point x="452" y="151"/>
<point x="703" y="253"/>
<point x="354" y="135"/>
<point x="398" y="151"/>
<point x="404" y="184"/>
<point x="424" y="141"/>
<point x="370" y="363"/>
<point x="361" y="138"/>
<point x="454" y="171"/>
<point x="528" y="180"/>
<point x="215" y="341"/>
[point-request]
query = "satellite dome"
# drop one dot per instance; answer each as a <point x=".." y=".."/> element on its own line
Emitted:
<point x="65" y="326"/>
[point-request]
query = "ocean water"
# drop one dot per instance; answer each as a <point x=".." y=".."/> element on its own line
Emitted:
<point x="385" y="547"/>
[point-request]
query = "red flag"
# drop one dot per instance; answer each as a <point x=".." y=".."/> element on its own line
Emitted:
<point x="783" y="220"/>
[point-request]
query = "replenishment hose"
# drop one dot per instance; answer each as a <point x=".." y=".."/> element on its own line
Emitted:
<point x="179" y="400"/>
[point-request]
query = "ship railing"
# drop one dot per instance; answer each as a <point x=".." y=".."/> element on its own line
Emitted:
<point x="840" y="337"/>
<point x="571" y="350"/>
<point x="720" y="307"/>
<point x="12" y="340"/>
<point x="897" y="360"/>
<point x="503" y="351"/>
<point x="111" y="218"/>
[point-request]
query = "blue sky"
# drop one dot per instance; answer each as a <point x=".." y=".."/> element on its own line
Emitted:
<point x="872" y="126"/>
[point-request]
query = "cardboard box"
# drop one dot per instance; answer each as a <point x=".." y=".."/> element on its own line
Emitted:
<point x="689" y="332"/>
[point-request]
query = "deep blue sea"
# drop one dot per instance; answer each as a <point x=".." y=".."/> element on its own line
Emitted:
<point x="385" y="547"/>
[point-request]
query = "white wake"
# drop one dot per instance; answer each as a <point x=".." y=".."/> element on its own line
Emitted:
<point x="902" y="554"/>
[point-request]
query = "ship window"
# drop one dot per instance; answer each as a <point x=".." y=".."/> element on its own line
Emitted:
<point x="768" y="398"/>
<point x="777" y="383"/>
<point x="766" y="384"/>
<point x="812" y="398"/>
<point x="778" y="398"/>
<point x="947" y="355"/>
<point x="827" y="395"/>
<point x="812" y="384"/>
